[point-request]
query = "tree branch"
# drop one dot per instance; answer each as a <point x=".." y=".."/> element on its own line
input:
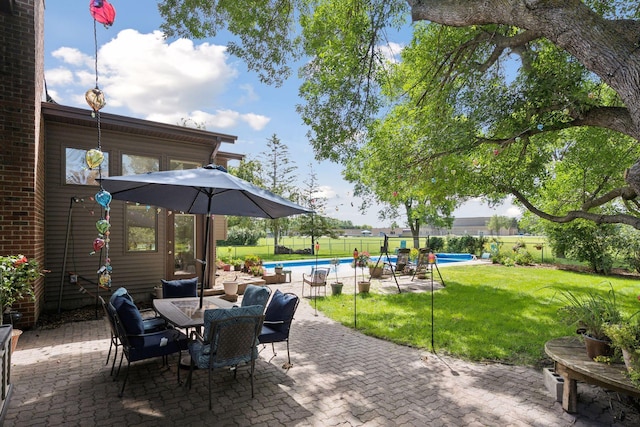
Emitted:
<point x="573" y="215"/>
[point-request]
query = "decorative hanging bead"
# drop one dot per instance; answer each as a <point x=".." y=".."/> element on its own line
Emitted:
<point x="94" y="158"/>
<point x="95" y="99"/>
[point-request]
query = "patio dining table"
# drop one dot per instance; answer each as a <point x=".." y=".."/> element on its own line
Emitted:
<point x="186" y="312"/>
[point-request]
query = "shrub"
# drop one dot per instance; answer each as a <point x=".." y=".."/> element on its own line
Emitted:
<point x="436" y="244"/>
<point x="237" y="236"/>
<point x="585" y="241"/>
<point x="466" y="244"/>
<point x="523" y="257"/>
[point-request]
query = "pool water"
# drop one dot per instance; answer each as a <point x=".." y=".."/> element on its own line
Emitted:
<point x="442" y="258"/>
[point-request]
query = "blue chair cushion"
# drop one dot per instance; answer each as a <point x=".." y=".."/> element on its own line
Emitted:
<point x="200" y="351"/>
<point x="129" y="315"/>
<point x="148" y="345"/>
<point x="180" y="288"/>
<point x="120" y="292"/>
<point x="255" y="295"/>
<point x="270" y="334"/>
<point x="280" y="309"/>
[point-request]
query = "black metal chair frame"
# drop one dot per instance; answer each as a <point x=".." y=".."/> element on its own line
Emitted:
<point x="224" y="332"/>
<point x="124" y="338"/>
<point x="282" y="322"/>
<point x="114" y="342"/>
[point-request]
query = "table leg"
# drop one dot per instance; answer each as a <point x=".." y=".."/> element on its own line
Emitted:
<point x="570" y="396"/>
<point x="569" y="389"/>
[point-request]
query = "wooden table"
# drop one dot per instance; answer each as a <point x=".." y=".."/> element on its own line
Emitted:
<point x="571" y="361"/>
<point x="186" y="312"/>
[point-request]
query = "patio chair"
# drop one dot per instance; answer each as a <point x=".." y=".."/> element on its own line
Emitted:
<point x="138" y="344"/>
<point x="152" y="322"/>
<point x="150" y="325"/>
<point x="182" y="288"/>
<point x="230" y="338"/>
<point x="277" y="321"/>
<point x="317" y="278"/>
<point x="403" y="259"/>
<point x="256" y="295"/>
<point x="422" y="265"/>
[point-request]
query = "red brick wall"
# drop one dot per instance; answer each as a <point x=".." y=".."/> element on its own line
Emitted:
<point x="21" y="149"/>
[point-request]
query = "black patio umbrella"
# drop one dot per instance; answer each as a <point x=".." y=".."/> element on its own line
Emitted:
<point x="207" y="190"/>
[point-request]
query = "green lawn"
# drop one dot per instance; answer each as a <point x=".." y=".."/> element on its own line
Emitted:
<point x="486" y="312"/>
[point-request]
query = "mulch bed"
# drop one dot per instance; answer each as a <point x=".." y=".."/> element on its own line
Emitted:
<point x="52" y="320"/>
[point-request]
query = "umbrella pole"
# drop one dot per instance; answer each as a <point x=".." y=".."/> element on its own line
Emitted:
<point x="206" y="246"/>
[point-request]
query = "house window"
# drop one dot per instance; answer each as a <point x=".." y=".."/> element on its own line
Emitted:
<point x="184" y="231"/>
<point x="141" y="221"/>
<point x="77" y="171"/>
<point x="139" y="164"/>
<point x="182" y="165"/>
<point x="142" y="228"/>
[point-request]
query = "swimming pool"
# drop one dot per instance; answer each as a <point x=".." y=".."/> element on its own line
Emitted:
<point x="442" y="258"/>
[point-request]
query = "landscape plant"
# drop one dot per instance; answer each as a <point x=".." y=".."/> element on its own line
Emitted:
<point x="590" y="312"/>
<point x="17" y="276"/>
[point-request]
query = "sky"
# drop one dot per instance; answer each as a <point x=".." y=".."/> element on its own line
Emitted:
<point x="144" y="75"/>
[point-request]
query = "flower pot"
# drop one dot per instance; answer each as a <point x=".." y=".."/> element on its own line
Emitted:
<point x="364" y="287"/>
<point x="336" y="288"/>
<point x="230" y="288"/>
<point x="375" y="272"/>
<point x="241" y="288"/>
<point x="15" y="335"/>
<point x="227" y="267"/>
<point x="279" y="270"/>
<point x="596" y="347"/>
<point x="629" y="358"/>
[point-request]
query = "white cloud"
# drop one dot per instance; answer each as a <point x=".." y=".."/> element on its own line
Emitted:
<point x="73" y="56"/>
<point x="144" y="73"/>
<point x="326" y="192"/>
<point x="391" y="51"/>
<point x="59" y="76"/>
<point x="249" y="96"/>
<point x="160" y="81"/>
<point x="256" y="121"/>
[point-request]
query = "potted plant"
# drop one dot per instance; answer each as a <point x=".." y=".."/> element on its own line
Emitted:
<point x="362" y="261"/>
<point x="237" y="264"/>
<point x="625" y="336"/>
<point x="591" y="313"/>
<point x="336" y="287"/>
<point x="221" y="265"/>
<point x="375" y="269"/>
<point x="17" y="275"/>
<point x="251" y="261"/>
<point x="256" y="270"/>
<point x="279" y="268"/>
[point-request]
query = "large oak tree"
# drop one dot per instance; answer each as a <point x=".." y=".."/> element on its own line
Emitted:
<point x="579" y="71"/>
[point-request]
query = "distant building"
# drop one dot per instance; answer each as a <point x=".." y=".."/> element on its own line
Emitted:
<point x="476" y="226"/>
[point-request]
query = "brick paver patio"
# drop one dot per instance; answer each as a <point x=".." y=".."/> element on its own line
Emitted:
<point x="339" y="378"/>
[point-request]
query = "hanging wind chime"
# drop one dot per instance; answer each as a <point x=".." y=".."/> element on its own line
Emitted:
<point x="102" y="12"/>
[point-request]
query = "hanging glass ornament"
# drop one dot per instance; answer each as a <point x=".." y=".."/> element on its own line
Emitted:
<point x="95" y="99"/>
<point x="103" y="226"/>
<point x="102" y="11"/>
<point x="105" y="280"/>
<point x="94" y="158"/>
<point x="98" y="244"/>
<point x="103" y="198"/>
